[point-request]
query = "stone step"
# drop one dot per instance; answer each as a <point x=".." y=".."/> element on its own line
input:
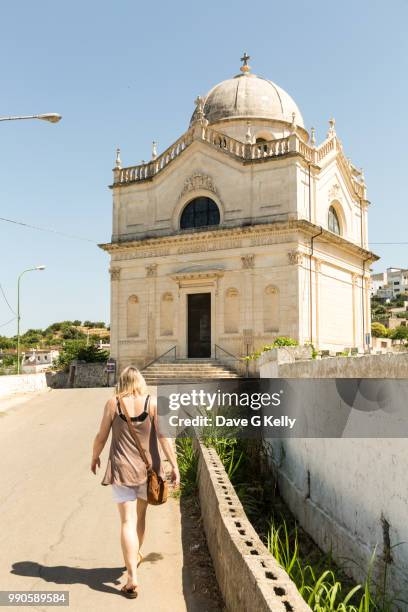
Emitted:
<point x="187" y="370"/>
<point x="179" y="381"/>
<point x="186" y="367"/>
<point x="191" y="375"/>
<point x="224" y="375"/>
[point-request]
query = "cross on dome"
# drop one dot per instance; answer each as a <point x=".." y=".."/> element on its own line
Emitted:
<point x="244" y="59"/>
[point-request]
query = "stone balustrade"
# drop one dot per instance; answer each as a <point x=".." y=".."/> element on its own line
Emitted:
<point x="142" y="172"/>
<point x="271" y="148"/>
<point x="243" y="151"/>
<point x="222" y="141"/>
<point x="325" y="148"/>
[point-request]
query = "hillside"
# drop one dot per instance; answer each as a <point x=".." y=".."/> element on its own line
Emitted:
<point x="56" y="334"/>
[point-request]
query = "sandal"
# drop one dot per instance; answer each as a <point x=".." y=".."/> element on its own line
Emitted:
<point x="140" y="558"/>
<point x="130" y="593"/>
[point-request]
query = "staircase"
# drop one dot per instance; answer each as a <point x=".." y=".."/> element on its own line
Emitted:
<point x="186" y="371"/>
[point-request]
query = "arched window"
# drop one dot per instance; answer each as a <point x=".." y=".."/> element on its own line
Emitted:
<point x="133" y="316"/>
<point x="166" y="314"/>
<point x="231" y="310"/>
<point x="271" y="309"/>
<point x="333" y="221"/>
<point x="260" y="140"/>
<point x="200" y="212"/>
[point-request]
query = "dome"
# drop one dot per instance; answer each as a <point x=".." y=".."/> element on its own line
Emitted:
<point x="248" y="96"/>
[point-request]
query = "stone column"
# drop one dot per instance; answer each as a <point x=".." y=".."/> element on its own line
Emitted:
<point x="151" y="275"/>
<point x="295" y="258"/>
<point x="115" y="309"/>
<point x="248" y="264"/>
<point x="318" y="265"/>
<point x="354" y="278"/>
<point x="367" y="308"/>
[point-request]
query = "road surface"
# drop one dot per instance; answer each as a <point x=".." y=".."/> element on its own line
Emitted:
<point x="60" y="527"/>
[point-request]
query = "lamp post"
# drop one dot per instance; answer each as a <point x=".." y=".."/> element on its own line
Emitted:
<point x="18" y="311"/>
<point x="50" y="117"/>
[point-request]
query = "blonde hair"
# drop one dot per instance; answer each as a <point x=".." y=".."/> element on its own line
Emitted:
<point x="131" y="382"/>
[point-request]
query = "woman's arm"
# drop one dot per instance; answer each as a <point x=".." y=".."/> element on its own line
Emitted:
<point x="166" y="444"/>
<point x="103" y="433"/>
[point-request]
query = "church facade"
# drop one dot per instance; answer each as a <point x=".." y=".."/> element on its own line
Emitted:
<point x="243" y="230"/>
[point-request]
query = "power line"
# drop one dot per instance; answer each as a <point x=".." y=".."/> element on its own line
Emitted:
<point x="11" y="320"/>
<point x="46" y="229"/>
<point x="6" y="300"/>
<point x="74" y="237"/>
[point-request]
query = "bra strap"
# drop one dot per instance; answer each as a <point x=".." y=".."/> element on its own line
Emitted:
<point x="118" y="405"/>
<point x="146" y="404"/>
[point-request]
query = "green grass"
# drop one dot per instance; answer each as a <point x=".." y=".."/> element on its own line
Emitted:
<point x="188" y="465"/>
<point x="321" y="590"/>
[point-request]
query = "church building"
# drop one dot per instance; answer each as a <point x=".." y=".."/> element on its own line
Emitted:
<point x="244" y="229"/>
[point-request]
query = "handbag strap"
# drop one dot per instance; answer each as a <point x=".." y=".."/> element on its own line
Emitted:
<point x="134" y="434"/>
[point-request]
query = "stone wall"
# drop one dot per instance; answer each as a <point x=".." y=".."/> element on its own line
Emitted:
<point x="284" y="363"/>
<point x="88" y="375"/>
<point x="80" y="375"/>
<point x="22" y="383"/>
<point x="348" y="494"/>
<point x="57" y="380"/>
<point x="248" y="575"/>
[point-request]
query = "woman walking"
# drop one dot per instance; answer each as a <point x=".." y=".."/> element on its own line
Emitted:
<point x="126" y="470"/>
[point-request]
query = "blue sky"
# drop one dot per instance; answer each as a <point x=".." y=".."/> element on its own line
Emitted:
<point x="127" y="73"/>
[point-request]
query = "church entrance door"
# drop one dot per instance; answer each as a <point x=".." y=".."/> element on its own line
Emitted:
<point x="199" y="324"/>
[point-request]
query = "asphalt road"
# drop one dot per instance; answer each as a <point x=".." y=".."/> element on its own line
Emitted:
<point x="59" y="527"/>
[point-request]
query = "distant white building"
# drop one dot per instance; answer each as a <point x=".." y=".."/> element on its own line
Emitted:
<point x="389" y="284"/>
<point x="38" y="360"/>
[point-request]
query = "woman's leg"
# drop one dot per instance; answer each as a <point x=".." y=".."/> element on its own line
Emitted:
<point x="141" y="520"/>
<point x="129" y="539"/>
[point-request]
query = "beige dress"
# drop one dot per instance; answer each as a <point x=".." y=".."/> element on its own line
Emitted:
<point x="126" y="470"/>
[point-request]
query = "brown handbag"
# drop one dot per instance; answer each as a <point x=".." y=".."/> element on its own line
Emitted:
<point x="157" y="488"/>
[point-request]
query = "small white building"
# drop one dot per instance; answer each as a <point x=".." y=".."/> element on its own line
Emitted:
<point x="38" y="360"/>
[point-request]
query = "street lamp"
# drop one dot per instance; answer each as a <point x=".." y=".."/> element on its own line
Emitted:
<point x="18" y="312"/>
<point x="50" y="117"/>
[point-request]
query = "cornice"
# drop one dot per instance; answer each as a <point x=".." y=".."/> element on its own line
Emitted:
<point x="194" y="242"/>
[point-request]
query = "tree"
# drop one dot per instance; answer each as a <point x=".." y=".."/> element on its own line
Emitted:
<point x="54" y="327"/>
<point x="400" y="333"/>
<point x="6" y="343"/>
<point x="379" y="310"/>
<point x="71" y="333"/>
<point x="77" y="349"/>
<point x="378" y="330"/>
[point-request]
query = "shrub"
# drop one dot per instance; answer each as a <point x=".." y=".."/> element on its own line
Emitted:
<point x="378" y="330"/>
<point x="278" y="342"/>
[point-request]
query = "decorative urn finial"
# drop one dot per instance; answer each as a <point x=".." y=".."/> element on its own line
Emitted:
<point x="332" y="130"/>
<point x="245" y="68"/>
<point x="313" y="136"/>
<point x="118" y="161"/>
<point x="293" y="124"/>
<point x="154" y="149"/>
<point x="248" y="135"/>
